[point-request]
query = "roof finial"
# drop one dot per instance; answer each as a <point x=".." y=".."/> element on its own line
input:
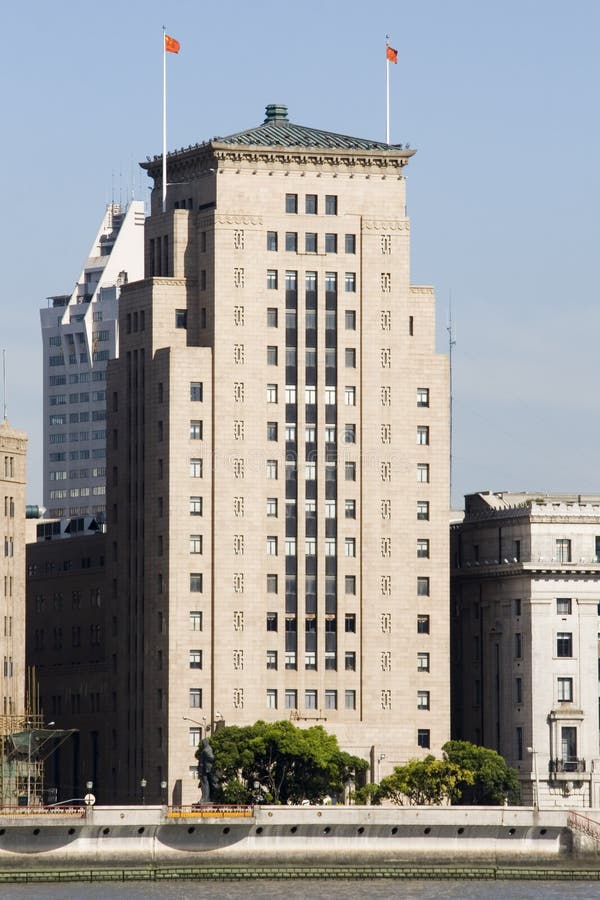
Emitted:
<point x="276" y="112"/>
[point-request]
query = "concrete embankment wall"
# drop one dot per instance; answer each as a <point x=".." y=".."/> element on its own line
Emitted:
<point x="107" y="837"/>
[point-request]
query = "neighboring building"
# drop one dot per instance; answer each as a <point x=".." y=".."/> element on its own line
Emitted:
<point x="13" y="449"/>
<point x="80" y="335"/>
<point x="68" y="623"/>
<point x="525" y="605"/>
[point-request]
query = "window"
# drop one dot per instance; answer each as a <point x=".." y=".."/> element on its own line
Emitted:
<point x="350" y="546"/>
<point x="291" y="699"/>
<point x="291" y="241"/>
<point x="271" y="545"/>
<point x="195" y="543"/>
<point x="196" y="430"/>
<point x="196" y="582"/>
<point x="196" y="620"/>
<point x="271" y="240"/>
<point x="422" y="624"/>
<point x="422" y="548"/>
<point x="310" y="699"/>
<point x="330" y="434"/>
<point x="330" y="699"/>
<point x="422" y="434"/>
<point x="565" y="690"/>
<point x="422" y="396"/>
<point x="517" y="607"/>
<point x="423" y="700"/>
<point x="291" y="203"/>
<point x="310" y="394"/>
<point x="563" y="606"/>
<point x="423" y="510"/>
<point x="350" y="394"/>
<point x="271" y="431"/>
<point x="563" y="550"/>
<point x="423" y="738"/>
<point x="350" y="661"/>
<point x="195" y="468"/>
<point x="272" y="469"/>
<point x="350" y="584"/>
<point x="350" y="243"/>
<point x="310" y="434"/>
<point x="350" y="471"/>
<point x="271" y="621"/>
<point x="195" y="506"/>
<point x="350" y="320"/>
<point x="194" y="739"/>
<point x="422" y="473"/>
<point x="518" y="645"/>
<point x="423" y="662"/>
<point x="310" y="204"/>
<point x="349" y="509"/>
<point x="271" y="393"/>
<point x="349" y="433"/>
<point x="196" y="698"/>
<point x="290" y="546"/>
<point x="330" y="396"/>
<point x="272" y="279"/>
<point x="422" y="586"/>
<point x="271" y="698"/>
<point x="271" y="356"/>
<point x="290" y="431"/>
<point x="331" y="243"/>
<point x="518" y="690"/>
<point x="195" y="659"/>
<point x="181" y="318"/>
<point x="350" y="623"/>
<point x="272" y="507"/>
<point x="196" y="390"/>
<point x="350" y="699"/>
<point x="350" y="282"/>
<point x="350" y="357"/>
<point x="272" y="317"/>
<point x="331" y="205"/>
<point x="310" y="242"/>
<point x="271" y="584"/>
<point x="564" y="643"/>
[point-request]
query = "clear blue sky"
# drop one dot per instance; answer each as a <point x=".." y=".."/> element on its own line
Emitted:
<point x="501" y="101"/>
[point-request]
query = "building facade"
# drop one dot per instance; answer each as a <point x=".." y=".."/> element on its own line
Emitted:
<point x="525" y="605"/>
<point x="80" y="334"/>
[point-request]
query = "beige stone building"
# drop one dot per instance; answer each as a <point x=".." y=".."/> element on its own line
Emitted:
<point x="525" y="602"/>
<point x="13" y="449"/>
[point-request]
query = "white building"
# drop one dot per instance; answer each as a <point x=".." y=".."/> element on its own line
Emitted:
<point x="80" y="334"/>
<point x="525" y="603"/>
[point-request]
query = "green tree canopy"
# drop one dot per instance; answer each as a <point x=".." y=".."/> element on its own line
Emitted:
<point x="288" y="764"/>
<point x="420" y="782"/>
<point x="493" y="780"/>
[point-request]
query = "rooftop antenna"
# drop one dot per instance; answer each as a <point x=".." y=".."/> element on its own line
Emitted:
<point x="451" y="345"/>
<point x="4" y="406"/>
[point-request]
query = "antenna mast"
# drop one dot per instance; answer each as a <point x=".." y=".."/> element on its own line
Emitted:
<point x="451" y="345"/>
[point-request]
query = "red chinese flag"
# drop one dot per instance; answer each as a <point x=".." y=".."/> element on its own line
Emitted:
<point x="171" y="45"/>
<point x="390" y="53"/>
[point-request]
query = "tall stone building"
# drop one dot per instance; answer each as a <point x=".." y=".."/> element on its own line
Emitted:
<point x="13" y="449"/>
<point x="80" y="334"/>
<point x="525" y="600"/>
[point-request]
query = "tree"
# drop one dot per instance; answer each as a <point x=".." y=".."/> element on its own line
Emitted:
<point x="423" y="782"/>
<point x="281" y="763"/>
<point x="493" y="781"/>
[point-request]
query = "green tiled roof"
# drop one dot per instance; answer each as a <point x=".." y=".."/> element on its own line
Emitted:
<point x="278" y="131"/>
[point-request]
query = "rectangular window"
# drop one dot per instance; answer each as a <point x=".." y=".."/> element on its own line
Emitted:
<point x="349" y="433"/>
<point x="310" y="699"/>
<point x="563" y="550"/>
<point x="350" y="661"/>
<point x="310" y="204"/>
<point x="272" y="469"/>
<point x="196" y="620"/>
<point x="271" y="393"/>
<point x="423" y="510"/>
<point x="422" y="586"/>
<point x="564" y="644"/>
<point x="271" y="698"/>
<point x="350" y="320"/>
<point x="196" y="698"/>
<point x="350" y="623"/>
<point x="272" y="317"/>
<point x="271" y="431"/>
<point x="565" y="690"/>
<point x="423" y="435"/>
<point x="196" y="582"/>
<point x="423" y="738"/>
<point x="350" y="243"/>
<point x="423" y="700"/>
<point x="517" y="607"/>
<point x="422" y="473"/>
<point x="196" y="430"/>
<point x="331" y="205"/>
<point x="563" y="606"/>
<point x="350" y="394"/>
<point x="349" y="509"/>
<point x="195" y="468"/>
<point x="195" y="543"/>
<point x="271" y="356"/>
<point x="350" y="471"/>
<point x="310" y="242"/>
<point x="350" y="584"/>
<point x="518" y="645"/>
<point x="350" y="282"/>
<point x="272" y="507"/>
<point x="291" y="203"/>
<point x="195" y="506"/>
<point x="195" y="659"/>
<point x="350" y="547"/>
<point x="350" y="699"/>
<point x="291" y="699"/>
<point x="331" y="243"/>
<point x="350" y="357"/>
<point x="423" y="624"/>
<point x="330" y="699"/>
<point x="423" y="662"/>
<point x="271" y="240"/>
<point x="272" y="279"/>
<point x="196" y="390"/>
<point x="518" y="690"/>
<point x="291" y="241"/>
<point x="272" y="545"/>
<point x="422" y="396"/>
<point x="271" y="621"/>
<point x="181" y="318"/>
<point x="422" y="548"/>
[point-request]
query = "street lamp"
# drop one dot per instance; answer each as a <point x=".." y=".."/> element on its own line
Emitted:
<point x="163" y="788"/>
<point x="143" y="784"/>
<point x="379" y="759"/>
<point x="533" y="752"/>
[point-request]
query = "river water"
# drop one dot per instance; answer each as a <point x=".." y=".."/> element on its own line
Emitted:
<point x="298" y="890"/>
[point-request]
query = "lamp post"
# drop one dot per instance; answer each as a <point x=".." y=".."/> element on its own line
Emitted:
<point x="143" y="784"/>
<point x="533" y="752"/>
<point x="381" y="757"/>
<point x="163" y="788"/>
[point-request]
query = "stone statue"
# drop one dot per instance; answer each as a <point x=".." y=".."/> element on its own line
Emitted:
<point x="208" y="776"/>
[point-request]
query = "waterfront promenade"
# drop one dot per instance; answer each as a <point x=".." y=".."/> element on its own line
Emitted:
<point x="157" y="842"/>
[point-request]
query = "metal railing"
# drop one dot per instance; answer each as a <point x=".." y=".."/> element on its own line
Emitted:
<point x="567" y="765"/>
<point x="69" y="811"/>
<point x="584" y="824"/>
<point x="208" y="811"/>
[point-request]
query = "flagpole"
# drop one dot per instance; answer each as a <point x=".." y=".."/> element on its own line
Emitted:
<point x="387" y="92"/>
<point x="164" y="125"/>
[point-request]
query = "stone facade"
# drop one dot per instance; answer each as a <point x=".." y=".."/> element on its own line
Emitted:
<point x="525" y="600"/>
